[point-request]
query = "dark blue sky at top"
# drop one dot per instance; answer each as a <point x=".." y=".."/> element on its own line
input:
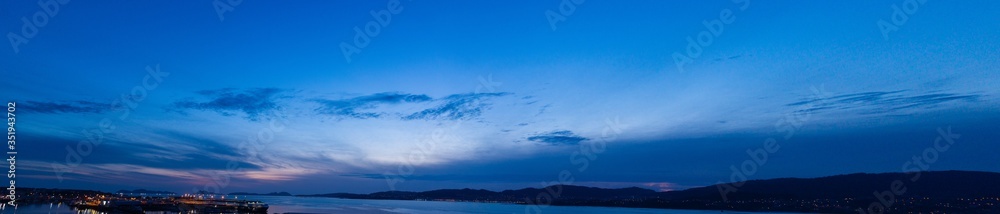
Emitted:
<point x="488" y="94"/>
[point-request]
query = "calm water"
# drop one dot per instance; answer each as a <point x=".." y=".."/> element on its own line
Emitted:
<point x="284" y="204"/>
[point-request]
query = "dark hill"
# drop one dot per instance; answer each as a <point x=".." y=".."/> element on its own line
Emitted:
<point x="144" y="191"/>
<point x="940" y="184"/>
<point x="266" y="194"/>
<point x="942" y="191"/>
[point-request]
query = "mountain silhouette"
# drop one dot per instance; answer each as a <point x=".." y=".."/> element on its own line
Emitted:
<point x="938" y="191"/>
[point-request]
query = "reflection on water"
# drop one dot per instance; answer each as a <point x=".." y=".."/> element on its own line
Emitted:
<point x="53" y="208"/>
<point x="285" y="204"/>
<point x="289" y="204"/>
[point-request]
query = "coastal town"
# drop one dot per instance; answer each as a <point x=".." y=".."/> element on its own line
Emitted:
<point x="144" y="201"/>
<point x="140" y="203"/>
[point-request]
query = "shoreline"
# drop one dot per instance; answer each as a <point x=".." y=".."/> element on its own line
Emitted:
<point x="559" y="205"/>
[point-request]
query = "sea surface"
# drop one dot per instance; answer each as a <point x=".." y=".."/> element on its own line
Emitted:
<point x="289" y="204"/>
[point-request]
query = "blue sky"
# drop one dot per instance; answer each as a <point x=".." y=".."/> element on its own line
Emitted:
<point x="492" y="94"/>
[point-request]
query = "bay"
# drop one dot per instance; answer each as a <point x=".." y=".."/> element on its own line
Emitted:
<point x="299" y="205"/>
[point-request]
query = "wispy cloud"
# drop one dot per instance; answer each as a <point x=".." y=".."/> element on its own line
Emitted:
<point x="457" y="107"/>
<point x="562" y="137"/>
<point x="452" y="107"/>
<point x="362" y="107"/>
<point x="877" y="102"/>
<point x="251" y="102"/>
<point x="78" y="106"/>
